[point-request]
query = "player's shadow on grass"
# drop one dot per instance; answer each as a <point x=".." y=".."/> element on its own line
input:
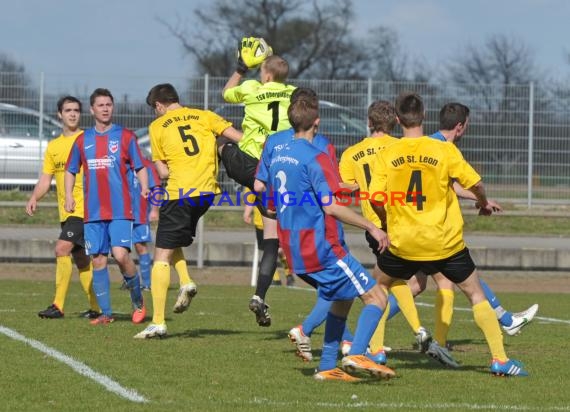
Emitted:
<point x="203" y="333"/>
<point x="414" y="360"/>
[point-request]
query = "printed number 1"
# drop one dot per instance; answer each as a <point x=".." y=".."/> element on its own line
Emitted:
<point x="274" y="107"/>
<point x="414" y="193"/>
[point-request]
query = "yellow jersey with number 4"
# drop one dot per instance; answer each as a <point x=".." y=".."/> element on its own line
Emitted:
<point x="185" y="139"/>
<point x="414" y="176"/>
<point x="357" y="165"/>
<point x="266" y="107"/>
<point x="55" y="158"/>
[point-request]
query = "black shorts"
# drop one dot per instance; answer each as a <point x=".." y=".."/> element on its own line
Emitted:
<point x="177" y="221"/>
<point x="239" y="165"/>
<point x="259" y="237"/>
<point x="72" y="231"/>
<point x="456" y="268"/>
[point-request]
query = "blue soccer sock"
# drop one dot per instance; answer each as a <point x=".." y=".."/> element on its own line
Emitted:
<point x="144" y="263"/>
<point x="367" y="323"/>
<point x="333" y="333"/>
<point x="134" y="287"/>
<point x="394" y="307"/>
<point x="101" y="287"/>
<point x="505" y="317"/>
<point x="317" y="316"/>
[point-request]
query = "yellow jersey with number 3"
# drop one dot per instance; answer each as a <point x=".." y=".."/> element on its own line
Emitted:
<point x="185" y="139"/>
<point x="265" y="112"/>
<point x="55" y="158"/>
<point x="414" y="176"/>
<point x="357" y="165"/>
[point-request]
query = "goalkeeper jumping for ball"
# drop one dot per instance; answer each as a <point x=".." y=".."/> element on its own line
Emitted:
<point x="266" y="102"/>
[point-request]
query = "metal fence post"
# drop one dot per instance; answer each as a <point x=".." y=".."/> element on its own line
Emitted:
<point x="530" y="142"/>
<point x="369" y="92"/>
<point x="200" y="228"/>
<point x="41" y="118"/>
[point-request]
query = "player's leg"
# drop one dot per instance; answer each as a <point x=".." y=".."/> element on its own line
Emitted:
<point x="267" y="267"/>
<point x="97" y="246"/>
<point x="63" y="271"/>
<point x="121" y="235"/>
<point x="511" y="322"/>
<point x="141" y="239"/>
<point x="445" y="297"/>
<point x="460" y="269"/>
<point x="85" y="269"/>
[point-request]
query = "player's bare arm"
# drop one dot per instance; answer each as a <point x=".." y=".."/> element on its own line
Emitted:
<point x="162" y="169"/>
<point x="466" y="194"/>
<point x="68" y="183"/>
<point x="479" y="191"/>
<point x="42" y="187"/>
<point x="142" y="176"/>
<point x="233" y="134"/>
<point x="380" y="211"/>
<point x="259" y="186"/>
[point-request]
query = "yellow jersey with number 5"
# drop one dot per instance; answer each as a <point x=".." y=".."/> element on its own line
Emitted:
<point x="357" y="165"/>
<point x="414" y="177"/>
<point x="185" y="139"/>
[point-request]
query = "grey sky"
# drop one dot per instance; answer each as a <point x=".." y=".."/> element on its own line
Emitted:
<point x="110" y="40"/>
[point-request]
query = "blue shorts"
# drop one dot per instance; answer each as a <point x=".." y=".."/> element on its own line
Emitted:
<point x="345" y="280"/>
<point x="141" y="233"/>
<point x="103" y="235"/>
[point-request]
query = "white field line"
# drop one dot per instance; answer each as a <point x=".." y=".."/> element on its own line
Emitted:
<point x="431" y="305"/>
<point x="409" y="405"/>
<point x="79" y="367"/>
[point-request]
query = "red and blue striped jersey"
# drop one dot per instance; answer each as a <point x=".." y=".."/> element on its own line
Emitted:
<point x="300" y="175"/>
<point x="141" y="206"/>
<point x="106" y="159"/>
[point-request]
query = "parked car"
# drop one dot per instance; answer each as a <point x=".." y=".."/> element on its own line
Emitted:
<point x="340" y="124"/>
<point x="21" y="146"/>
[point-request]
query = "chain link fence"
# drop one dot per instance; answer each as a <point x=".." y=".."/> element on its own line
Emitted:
<point x="518" y="138"/>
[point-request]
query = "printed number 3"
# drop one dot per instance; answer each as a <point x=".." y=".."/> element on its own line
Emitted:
<point x="282" y="180"/>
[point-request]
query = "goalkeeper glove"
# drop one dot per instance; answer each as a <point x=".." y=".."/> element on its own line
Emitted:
<point x="251" y="53"/>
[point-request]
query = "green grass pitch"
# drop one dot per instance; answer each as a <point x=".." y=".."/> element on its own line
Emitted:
<point x="216" y="358"/>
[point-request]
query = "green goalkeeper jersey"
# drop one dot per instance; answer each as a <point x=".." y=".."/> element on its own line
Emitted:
<point x="265" y="111"/>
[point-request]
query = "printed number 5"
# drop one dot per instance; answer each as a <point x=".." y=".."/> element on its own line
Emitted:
<point x="185" y="136"/>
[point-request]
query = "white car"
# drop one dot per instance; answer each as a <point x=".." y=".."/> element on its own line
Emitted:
<point x="21" y="146"/>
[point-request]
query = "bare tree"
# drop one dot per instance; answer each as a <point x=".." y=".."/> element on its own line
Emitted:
<point x="14" y="82"/>
<point x="314" y="37"/>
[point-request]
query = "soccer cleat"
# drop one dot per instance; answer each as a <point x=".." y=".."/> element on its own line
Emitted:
<point x="345" y="347"/>
<point x="139" y="314"/>
<point x="124" y="285"/>
<point x="90" y="314"/>
<point x="102" y="320"/>
<point x="290" y="280"/>
<point x="520" y="320"/>
<point x="261" y="310"/>
<point x="152" y="331"/>
<point x="335" y="374"/>
<point x="145" y="288"/>
<point x="378" y="357"/>
<point x="510" y="367"/>
<point x="360" y="363"/>
<point x="51" y="312"/>
<point x="302" y="342"/>
<point x="185" y="295"/>
<point x="423" y="339"/>
<point x="441" y="355"/>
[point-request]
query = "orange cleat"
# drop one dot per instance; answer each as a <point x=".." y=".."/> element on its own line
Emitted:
<point x="335" y="374"/>
<point x="139" y="314"/>
<point x="360" y="363"/>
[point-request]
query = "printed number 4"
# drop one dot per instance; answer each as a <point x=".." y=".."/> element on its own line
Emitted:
<point x="414" y="193"/>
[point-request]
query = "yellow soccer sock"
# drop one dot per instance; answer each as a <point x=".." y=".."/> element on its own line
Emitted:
<point x="487" y="321"/>
<point x="276" y="277"/>
<point x="403" y="294"/>
<point x="179" y="263"/>
<point x="63" y="270"/>
<point x="377" y="340"/>
<point x="86" y="279"/>
<point x="160" y="280"/>
<point x="443" y="314"/>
